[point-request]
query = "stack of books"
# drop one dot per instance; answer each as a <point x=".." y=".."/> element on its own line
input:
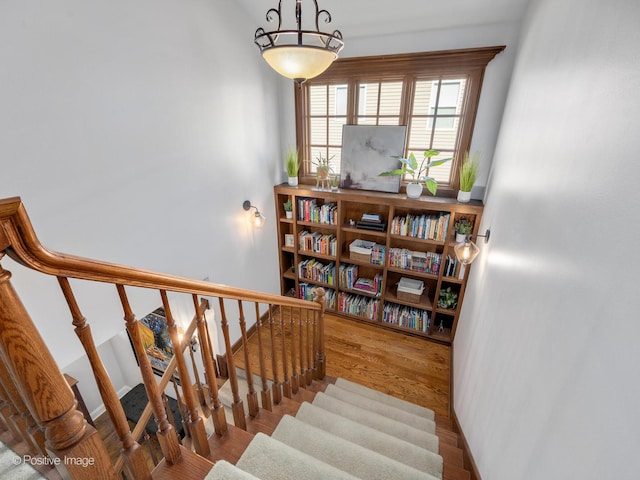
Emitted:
<point x="372" y="221"/>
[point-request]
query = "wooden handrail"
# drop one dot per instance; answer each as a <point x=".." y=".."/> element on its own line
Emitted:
<point x="23" y="246"/>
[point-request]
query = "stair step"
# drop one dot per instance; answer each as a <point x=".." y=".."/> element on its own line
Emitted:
<point x="303" y="395"/>
<point x="451" y="455"/>
<point x="264" y="422"/>
<point x="229" y="446"/>
<point x="447" y="436"/>
<point x="286" y="407"/>
<point x="192" y="466"/>
<point x="451" y="472"/>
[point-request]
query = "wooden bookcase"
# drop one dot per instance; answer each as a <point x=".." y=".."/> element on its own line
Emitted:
<point x="343" y="209"/>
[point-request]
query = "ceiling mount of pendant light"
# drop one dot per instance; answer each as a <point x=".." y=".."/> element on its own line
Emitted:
<point x="298" y="54"/>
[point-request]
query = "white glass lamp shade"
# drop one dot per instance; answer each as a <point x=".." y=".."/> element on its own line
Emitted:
<point x="257" y="220"/>
<point x="466" y="251"/>
<point x="299" y="62"/>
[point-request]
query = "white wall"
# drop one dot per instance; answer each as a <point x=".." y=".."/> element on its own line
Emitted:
<point x="133" y="131"/>
<point x="494" y="90"/>
<point x="546" y="355"/>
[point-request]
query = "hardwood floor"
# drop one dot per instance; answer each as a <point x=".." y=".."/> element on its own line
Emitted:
<point x="401" y="365"/>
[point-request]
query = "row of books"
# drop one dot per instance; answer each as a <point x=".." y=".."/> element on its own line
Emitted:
<point x="348" y="276"/>
<point x="426" y="262"/>
<point x="426" y="227"/>
<point x="309" y="211"/>
<point x="317" y="271"/>
<point x="408" y="317"/>
<point x="358" y="305"/>
<point x="453" y="268"/>
<point x="306" y="291"/>
<point x="318" y="243"/>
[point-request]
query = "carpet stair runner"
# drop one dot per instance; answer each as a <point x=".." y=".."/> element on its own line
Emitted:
<point x="342" y="430"/>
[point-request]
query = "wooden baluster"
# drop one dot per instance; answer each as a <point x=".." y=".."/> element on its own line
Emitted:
<point x="286" y="384"/>
<point x="275" y="387"/>
<point x="265" y="394"/>
<point x="320" y="356"/>
<point x="45" y="391"/>
<point x="167" y="437"/>
<point x="196" y="424"/>
<point x="308" y="351"/>
<point x="237" y="407"/>
<point x="295" y="386"/>
<point x="252" y="396"/>
<point x="21" y="420"/>
<point x="202" y="398"/>
<point x="217" y="412"/>
<point x="7" y="410"/>
<point x="182" y="408"/>
<point x="135" y="460"/>
<point x="303" y="381"/>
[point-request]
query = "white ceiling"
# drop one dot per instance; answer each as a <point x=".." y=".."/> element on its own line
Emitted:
<point x="356" y="18"/>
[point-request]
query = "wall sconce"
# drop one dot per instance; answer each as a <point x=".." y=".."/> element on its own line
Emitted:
<point x="467" y="251"/>
<point x="256" y="220"/>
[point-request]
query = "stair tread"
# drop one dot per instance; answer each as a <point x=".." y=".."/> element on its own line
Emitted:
<point x="229" y="446"/>
<point x="190" y="466"/>
<point x="286" y="407"/>
<point x="265" y="422"/>
<point x="452" y="472"/>
<point x="451" y="455"/>
<point x="303" y="395"/>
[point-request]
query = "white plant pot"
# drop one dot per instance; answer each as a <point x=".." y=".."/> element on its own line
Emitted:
<point x="292" y="181"/>
<point x="464" y="197"/>
<point x="460" y="237"/>
<point x="288" y="214"/>
<point x="414" y="190"/>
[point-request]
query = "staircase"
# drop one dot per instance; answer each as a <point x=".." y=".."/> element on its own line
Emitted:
<point x="299" y="424"/>
<point x="335" y="428"/>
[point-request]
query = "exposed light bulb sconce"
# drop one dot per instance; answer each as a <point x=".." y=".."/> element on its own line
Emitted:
<point x="467" y="251"/>
<point x="257" y="219"/>
<point x="298" y="54"/>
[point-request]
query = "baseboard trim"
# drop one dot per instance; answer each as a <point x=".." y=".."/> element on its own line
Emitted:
<point x="468" y="461"/>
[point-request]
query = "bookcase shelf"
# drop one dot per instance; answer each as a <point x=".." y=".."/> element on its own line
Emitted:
<point x="430" y="220"/>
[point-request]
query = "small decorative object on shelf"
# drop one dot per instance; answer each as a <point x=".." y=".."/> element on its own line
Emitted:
<point x="418" y="173"/>
<point x="468" y="175"/>
<point x="463" y="228"/>
<point x="335" y="182"/>
<point x="448" y="299"/>
<point x="323" y="168"/>
<point x="288" y="208"/>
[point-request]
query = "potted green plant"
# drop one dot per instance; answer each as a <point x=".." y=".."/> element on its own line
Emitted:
<point x="335" y="182"/>
<point x="417" y="172"/>
<point x="447" y="299"/>
<point x="292" y="165"/>
<point x="463" y="228"/>
<point x="468" y="176"/>
<point x="288" y="208"/>
<point x="323" y="168"/>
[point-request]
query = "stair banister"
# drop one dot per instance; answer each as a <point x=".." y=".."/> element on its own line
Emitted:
<point x="133" y="455"/>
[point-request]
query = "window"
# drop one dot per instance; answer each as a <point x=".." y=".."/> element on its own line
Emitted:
<point x="435" y="94"/>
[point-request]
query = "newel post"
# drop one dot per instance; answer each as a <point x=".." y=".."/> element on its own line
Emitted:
<point x="320" y="355"/>
<point x="46" y="393"/>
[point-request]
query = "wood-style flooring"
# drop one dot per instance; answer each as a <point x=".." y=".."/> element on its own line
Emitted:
<point x="405" y="366"/>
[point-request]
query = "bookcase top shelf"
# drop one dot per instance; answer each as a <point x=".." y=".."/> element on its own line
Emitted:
<point x="423" y="253"/>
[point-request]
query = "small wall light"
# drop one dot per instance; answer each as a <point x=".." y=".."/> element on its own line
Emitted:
<point x="257" y="220"/>
<point x="467" y="251"/>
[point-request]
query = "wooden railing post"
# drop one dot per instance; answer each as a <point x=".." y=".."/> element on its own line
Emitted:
<point x="217" y="412"/>
<point x="237" y="406"/>
<point x="265" y="394"/>
<point x="196" y="424"/>
<point x="135" y="460"/>
<point x="252" y="397"/>
<point x="167" y="437"/>
<point x="303" y="357"/>
<point x="320" y="354"/>
<point x="45" y="391"/>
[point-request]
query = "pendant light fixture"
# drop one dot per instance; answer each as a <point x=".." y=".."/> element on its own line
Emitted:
<point x="298" y="54"/>
<point x="256" y="220"/>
